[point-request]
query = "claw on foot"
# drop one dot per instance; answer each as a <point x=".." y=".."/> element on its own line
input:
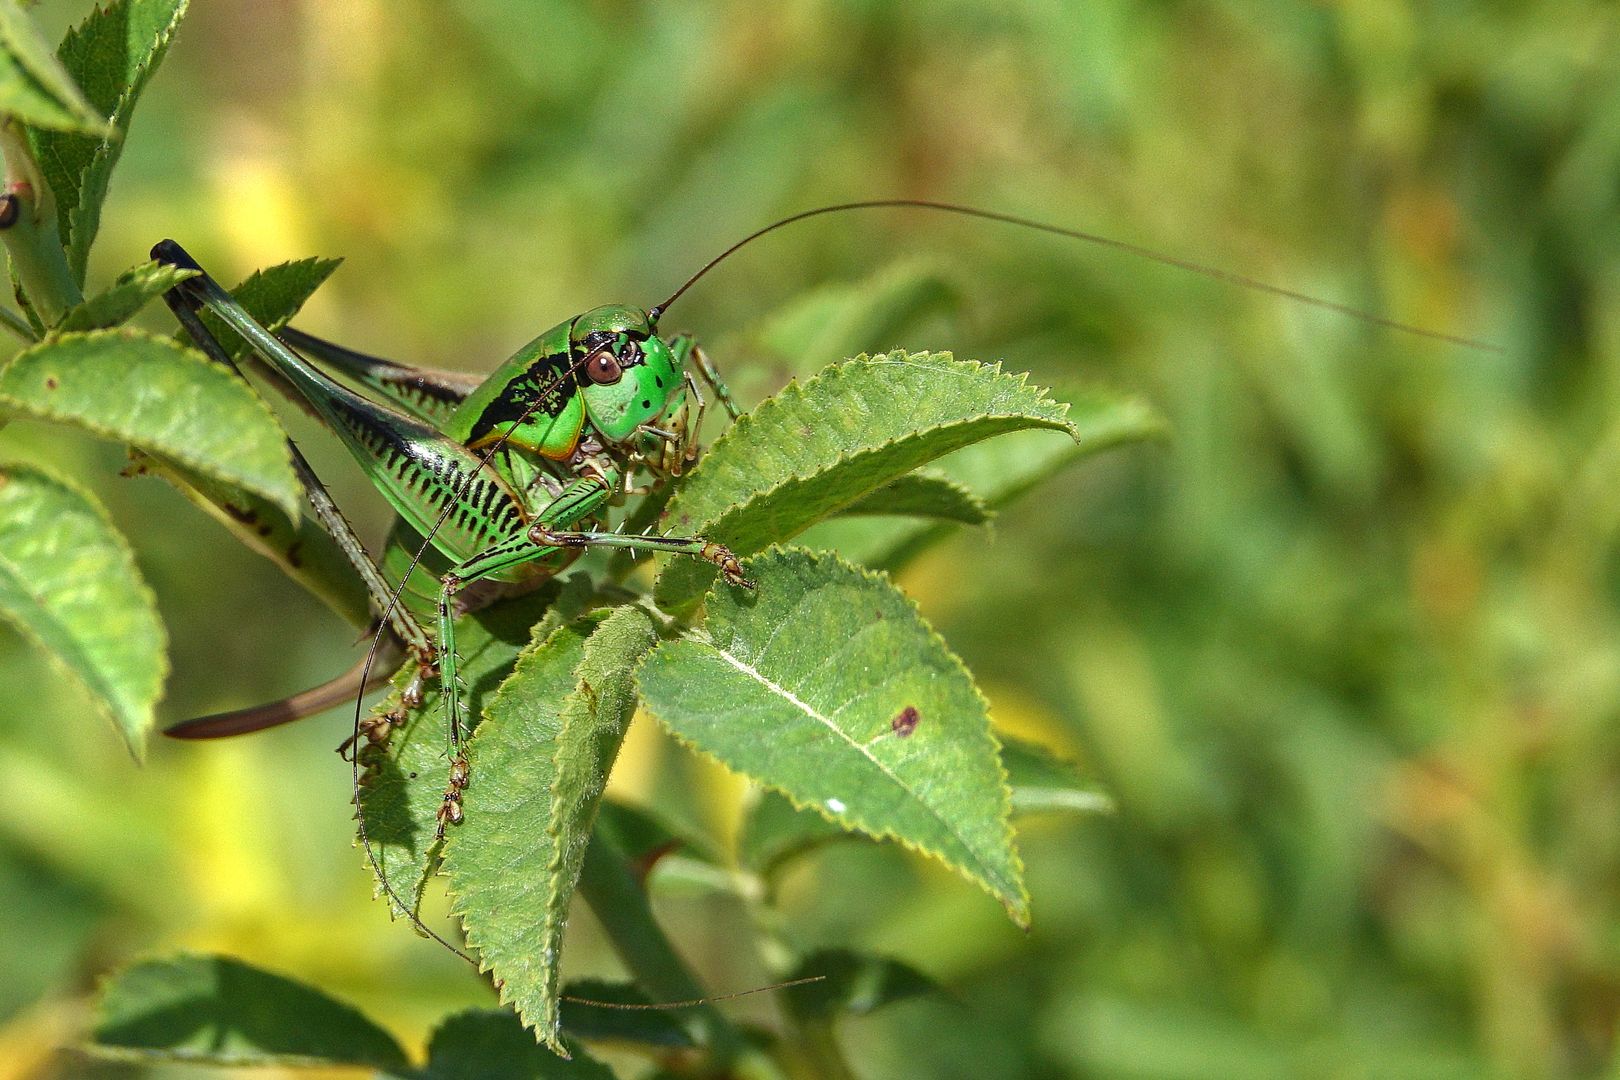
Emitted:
<point x="542" y="535"/>
<point x="730" y="568"/>
<point x="450" y="806"/>
<point x="375" y="731"/>
<point x="411" y="696"/>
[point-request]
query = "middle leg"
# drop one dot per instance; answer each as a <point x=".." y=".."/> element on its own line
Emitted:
<point x="546" y="539"/>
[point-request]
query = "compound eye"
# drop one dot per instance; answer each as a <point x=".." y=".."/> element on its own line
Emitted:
<point x="602" y="367"/>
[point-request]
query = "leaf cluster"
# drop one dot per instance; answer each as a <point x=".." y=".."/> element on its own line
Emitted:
<point x="825" y="687"/>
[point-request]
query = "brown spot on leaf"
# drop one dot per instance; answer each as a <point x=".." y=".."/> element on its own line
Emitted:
<point x="51" y="383"/>
<point x="905" y="721"/>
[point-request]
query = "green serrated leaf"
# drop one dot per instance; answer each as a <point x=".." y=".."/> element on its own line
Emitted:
<point x="998" y="470"/>
<point x="826" y="684"/>
<point x="775" y="831"/>
<point x="582" y="1018"/>
<point x="111" y="54"/>
<point x="160" y="397"/>
<point x="1004" y="469"/>
<point x="133" y="290"/>
<point x="922" y="494"/>
<point x="272" y="296"/>
<point x="220" y="1011"/>
<point x="401" y="788"/>
<point x="852" y="983"/>
<point x="485" y="1044"/>
<point x="34" y="86"/>
<point x="818" y="447"/>
<point x="539" y="763"/>
<point x="68" y="581"/>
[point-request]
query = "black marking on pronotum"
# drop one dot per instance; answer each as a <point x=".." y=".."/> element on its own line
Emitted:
<point x="525" y="396"/>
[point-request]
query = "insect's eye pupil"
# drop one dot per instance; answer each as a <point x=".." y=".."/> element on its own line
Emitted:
<point x="603" y="368"/>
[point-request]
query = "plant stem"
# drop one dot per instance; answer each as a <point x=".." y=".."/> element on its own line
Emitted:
<point x="620" y="905"/>
<point x="31" y="236"/>
<point x="17" y="324"/>
<point x="812" y="1050"/>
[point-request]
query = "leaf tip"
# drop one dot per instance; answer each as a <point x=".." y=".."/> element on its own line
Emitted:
<point x="552" y="1040"/>
<point x="136" y="742"/>
<point x="1017" y="908"/>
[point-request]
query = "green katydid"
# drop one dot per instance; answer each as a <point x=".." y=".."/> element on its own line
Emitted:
<point x="581" y="404"/>
<point x="501" y="483"/>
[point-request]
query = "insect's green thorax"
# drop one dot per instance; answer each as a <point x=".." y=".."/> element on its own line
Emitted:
<point x="496" y="408"/>
<point x="634" y="380"/>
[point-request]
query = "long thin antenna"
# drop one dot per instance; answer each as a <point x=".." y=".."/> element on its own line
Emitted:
<point x="1217" y="274"/>
<point x="639" y="1006"/>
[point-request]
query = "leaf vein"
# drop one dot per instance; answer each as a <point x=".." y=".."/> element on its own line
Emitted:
<point x="808" y="710"/>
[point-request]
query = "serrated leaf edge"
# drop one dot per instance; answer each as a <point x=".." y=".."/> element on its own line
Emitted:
<point x="138" y="1056"/>
<point x="136" y="749"/>
<point x="551" y="1036"/>
<point x="1017" y="907"/>
<point x="365" y="778"/>
<point x="582" y="705"/>
<point x="79" y="257"/>
<point x="427" y="865"/>
<point x="795" y="392"/>
<point x="139" y="272"/>
<point x="66" y="92"/>
<point x="193" y="461"/>
<point x="325" y="265"/>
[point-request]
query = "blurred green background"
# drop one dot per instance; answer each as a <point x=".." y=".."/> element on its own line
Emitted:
<point x="1344" y="647"/>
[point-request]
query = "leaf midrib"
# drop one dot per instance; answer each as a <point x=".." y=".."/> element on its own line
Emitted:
<point x="61" y="641"/>
<point x="788" y="695"/>
<point x="845" y="458"/>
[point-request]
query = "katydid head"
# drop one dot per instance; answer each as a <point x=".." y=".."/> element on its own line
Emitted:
<point x="628" y="374"/>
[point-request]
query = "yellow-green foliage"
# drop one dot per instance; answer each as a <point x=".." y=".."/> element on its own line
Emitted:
<point x="1343" y="649"/>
